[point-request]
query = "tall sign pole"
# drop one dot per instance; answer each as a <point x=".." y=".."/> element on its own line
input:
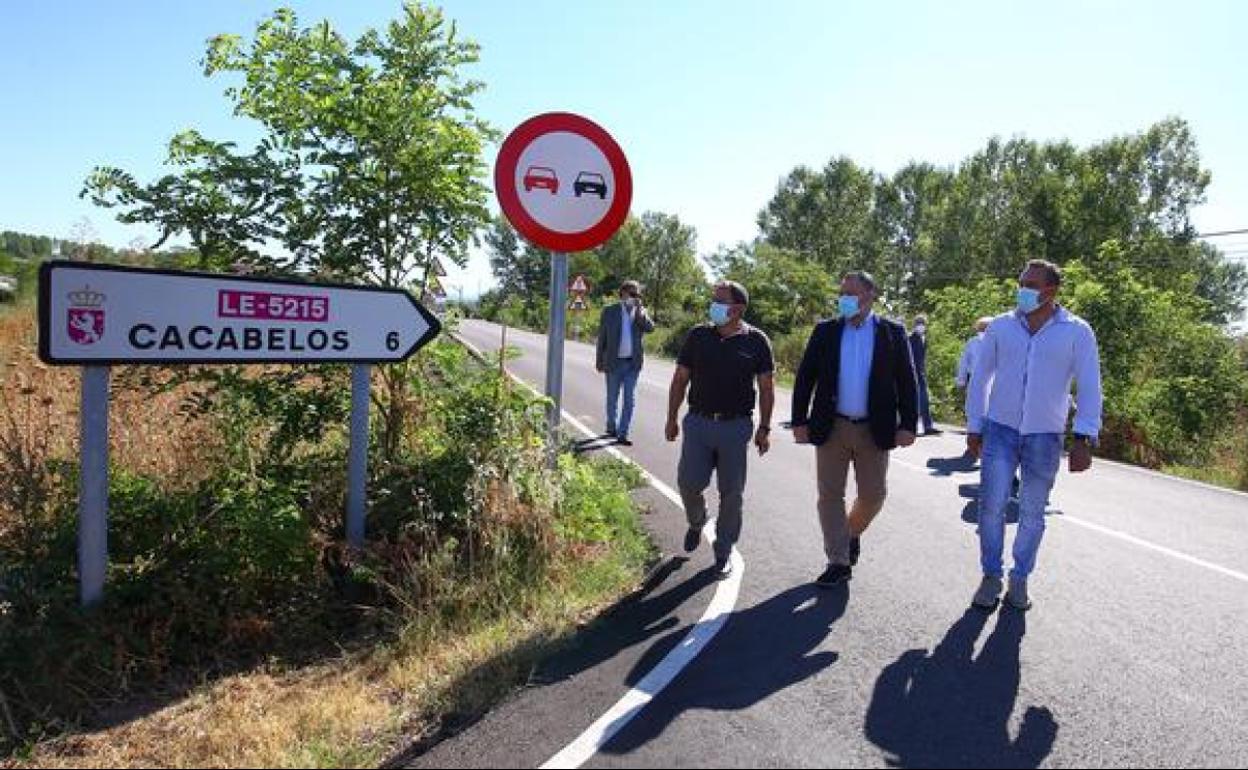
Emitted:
<point x="357" y="457"/>
<point x="93" y="485"/>
<point x="565" y="185"/>
<point x="554" y="345"/>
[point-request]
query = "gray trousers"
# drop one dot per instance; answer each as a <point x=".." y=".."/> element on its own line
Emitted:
<point x="715" y="446"/>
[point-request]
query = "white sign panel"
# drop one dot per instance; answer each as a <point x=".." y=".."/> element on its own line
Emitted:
<point x="566" y="182"/>
<point x="107" y="314"/>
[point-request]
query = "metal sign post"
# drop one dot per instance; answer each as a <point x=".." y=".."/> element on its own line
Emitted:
<point x="554" y="346"/>
<point x="357" y="458"/>
<point x="93" y="485"/>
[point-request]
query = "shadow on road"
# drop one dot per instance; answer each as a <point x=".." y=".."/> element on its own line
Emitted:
<point x="649" y="611"/>
<point x="637" y="618"/>
<point x="947" y="466"/>
<point x="950" y="708"/>
<point x="759" y="652"/>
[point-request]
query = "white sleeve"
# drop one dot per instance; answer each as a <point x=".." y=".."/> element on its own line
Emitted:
<point x="977" y="393"/>
<point x="1089" y="398"/>
<point x="964" y="364"/>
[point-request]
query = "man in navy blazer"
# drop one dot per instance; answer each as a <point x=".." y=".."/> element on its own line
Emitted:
<point x="855" y="399"/>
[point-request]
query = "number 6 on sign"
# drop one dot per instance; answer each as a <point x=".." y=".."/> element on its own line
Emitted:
<point x="392" y="341"/>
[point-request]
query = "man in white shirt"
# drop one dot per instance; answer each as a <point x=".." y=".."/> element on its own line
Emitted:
<point x="1017" y="407"/>
<point x="966" y="364"/>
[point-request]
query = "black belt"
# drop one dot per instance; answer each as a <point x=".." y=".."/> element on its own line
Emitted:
<point x="721" y="416"/>
<point x="853" y="420"/>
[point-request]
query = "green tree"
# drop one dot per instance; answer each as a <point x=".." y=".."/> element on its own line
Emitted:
<point x="370" y="166"/>
<point x="825" y="216"/>
<point x="667" y="264"/>
<point x="523" y="273"/>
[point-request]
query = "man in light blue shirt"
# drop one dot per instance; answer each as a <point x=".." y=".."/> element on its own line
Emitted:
<point x="1017" y="407"/>
<point x="854" y="399"/>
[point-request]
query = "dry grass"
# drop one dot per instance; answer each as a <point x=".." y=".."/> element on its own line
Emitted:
<point x="39" y="407"/>
<point x="353" y="712"/>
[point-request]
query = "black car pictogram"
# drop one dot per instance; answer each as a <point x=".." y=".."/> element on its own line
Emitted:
<point x="590" y="182"/>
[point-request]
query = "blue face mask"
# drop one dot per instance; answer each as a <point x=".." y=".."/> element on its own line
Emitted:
<point x="1028" y="299"/>
<point x="719" y="313"/>
<point x="848" y="305"/>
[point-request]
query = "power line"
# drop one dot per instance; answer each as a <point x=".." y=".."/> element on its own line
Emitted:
<point x="1222" y="233"/>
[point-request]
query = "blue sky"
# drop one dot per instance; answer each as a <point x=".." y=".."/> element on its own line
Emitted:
<point x="712" y="101"/>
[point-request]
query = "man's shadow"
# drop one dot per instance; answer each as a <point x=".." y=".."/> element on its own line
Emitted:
<point x="970" y="511"/>
<point x="587" y="445"/>
<point x="759" y="652"/>
<point x="947" y="708"/>
<point x="643" y="615"/>
<point x="947" y="466"/>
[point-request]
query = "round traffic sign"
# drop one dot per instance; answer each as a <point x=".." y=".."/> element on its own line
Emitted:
<point x="563" y="182"/>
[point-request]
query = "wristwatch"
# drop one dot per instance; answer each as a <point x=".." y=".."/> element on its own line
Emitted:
<point x="765" y="428"/>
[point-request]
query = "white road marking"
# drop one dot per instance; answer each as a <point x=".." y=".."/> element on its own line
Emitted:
<point x="1109" y="531"/>
<point x="580" y="750"/>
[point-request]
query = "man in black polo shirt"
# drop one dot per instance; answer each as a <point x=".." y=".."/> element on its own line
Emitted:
<point x="721" y="360"/>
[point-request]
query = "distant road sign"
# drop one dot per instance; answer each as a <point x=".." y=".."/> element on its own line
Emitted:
<point x="108" y="314"/>
<point x="563" y="182"/>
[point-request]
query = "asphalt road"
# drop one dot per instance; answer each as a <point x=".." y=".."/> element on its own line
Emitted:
<point x="1135" y="654"/>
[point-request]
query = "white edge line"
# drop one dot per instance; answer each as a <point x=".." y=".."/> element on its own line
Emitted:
<point x="1109" y="531"/>
<point x="584" y="746"/>
<point x="1154" y="547"/>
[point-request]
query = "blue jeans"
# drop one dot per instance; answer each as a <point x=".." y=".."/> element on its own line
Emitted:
<point x="925" y="404"/>
<point x="1040" y="455"/>
<point x="622" y="377"/>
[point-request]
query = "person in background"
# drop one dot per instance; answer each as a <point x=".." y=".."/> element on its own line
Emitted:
<point x="966" y="364"/>
<point x="621" y="355"/>
<point x="918" y="353"/>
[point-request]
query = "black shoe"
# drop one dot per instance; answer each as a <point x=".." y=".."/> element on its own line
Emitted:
<point x="933" y="432"/>
<point x="834" y="575"/>
<point x="723" y="568"/>
<point x="692" y="537"/>
<point x="623" y="441"/>
<point x="610" y="432"/>
<point x="855" y="550"/>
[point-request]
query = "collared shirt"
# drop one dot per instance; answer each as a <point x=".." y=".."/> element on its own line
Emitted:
<point x="1022" y="380"/>
<point x="966" y="364"/>
<point x="857" y="354"/>
<point x="626" y="332"/>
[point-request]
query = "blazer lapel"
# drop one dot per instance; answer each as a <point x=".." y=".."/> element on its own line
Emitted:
<point x="834" y="353"/>
<point x="881" y="357"/>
